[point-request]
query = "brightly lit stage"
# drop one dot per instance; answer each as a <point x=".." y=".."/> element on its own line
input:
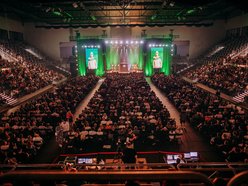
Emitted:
<point x="109" y="55"/>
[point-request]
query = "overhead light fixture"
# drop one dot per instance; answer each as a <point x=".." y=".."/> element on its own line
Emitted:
<point x="172" y="3"/>
<point x="75" y="5"/>
<point x="48" y="9"/>
<point x="154" y="17"/>
<point x="93" y="18"/>
<point x="190" y="11"/>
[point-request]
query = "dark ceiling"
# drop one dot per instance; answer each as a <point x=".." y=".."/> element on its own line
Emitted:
<point x="93" y="13"/>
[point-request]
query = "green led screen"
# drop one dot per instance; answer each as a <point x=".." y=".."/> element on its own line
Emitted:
<point x="157" y="57"/>
<point x="91" y="58"/>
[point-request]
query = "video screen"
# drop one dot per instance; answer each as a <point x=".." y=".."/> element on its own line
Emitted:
<point x="171" y="161"/>
<point x="187" y="155"/>
<point x="157" y="55"/>
<point x="193" y="154"/>
<point x="85" y="160"/>
<point x="91" y="58"/>
<point x="176" y="156"/>
<point x="170" y="157"/>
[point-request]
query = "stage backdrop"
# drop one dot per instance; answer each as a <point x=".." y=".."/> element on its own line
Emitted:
<point x="114" y="54"/>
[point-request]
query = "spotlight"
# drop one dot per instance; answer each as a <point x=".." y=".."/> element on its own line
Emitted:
<point x="106" y="42"/>
<point x="127" y="42"/>
<point x="75" y="5"/>
<point x="75" y="46"/>
<point x="111" y="42"/>
<point x="141" y="42"/>
<point x="172" y="45"/>
<point x="172" y="4"/>
<point x="150" y="45"/>
<point x="166" y="45"/>
<point x="153" y="45"/>
<point x="91" y="46"/>
<point x="98" y="46"/>
<point x="136" y="42"/>
<point x="121" y="42"/>
<point x="48" y="9"/>
<point x="160" y="45"/>
<point x="93" y="17"/>
<point x="116" y="42"/>
<point x="131" y="42"/>
<point x="172" y="50"/>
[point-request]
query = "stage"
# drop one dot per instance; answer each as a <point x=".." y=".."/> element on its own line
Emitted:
<point x="135" y="55"/>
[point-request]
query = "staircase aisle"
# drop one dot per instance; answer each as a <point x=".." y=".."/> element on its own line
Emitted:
<point x="87" y="99"/>
<point x="192" y="141"/>
<point x="52" y="151"/>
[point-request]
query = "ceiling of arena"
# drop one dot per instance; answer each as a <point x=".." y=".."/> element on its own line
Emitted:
<point x="93" y="13"/>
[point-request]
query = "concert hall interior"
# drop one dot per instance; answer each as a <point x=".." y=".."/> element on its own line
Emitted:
<point x="123" y="92"/>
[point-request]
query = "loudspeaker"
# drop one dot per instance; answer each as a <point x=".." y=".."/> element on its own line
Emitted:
<point x="73" y="69"/>
<point x="73" y="66"/>
<point x="78" y="35"/>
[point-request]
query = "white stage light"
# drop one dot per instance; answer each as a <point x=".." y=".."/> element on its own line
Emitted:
<point x="98" y="46"/>
<point x="141" y="42"/>
<point x="91" y="46"/>
<point x="131" y="42"/>
<point x="172" y="50"/>
<point x="172" y="45"/>
<point x="76" y="46"/>
<point x="111" y="42"/>
<point x="106" y="42"/>
<point x="153" y="45"/>
<point x="82" y="46"/>
<point x="116" y="42"/>
<point x="136" y="42"/>
<point x="121" y="42"/>
<point x="127" y="42"/>
<point x="159" y="45"/>
<point x="166" y="45"/>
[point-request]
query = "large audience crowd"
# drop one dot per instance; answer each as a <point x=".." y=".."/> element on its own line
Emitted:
<point x="23" y="132"/>
<point x="19" y="78"/>
<point x="123" y="108"/>
<point x="223" y="75"/>
<point x="224" y="124"/>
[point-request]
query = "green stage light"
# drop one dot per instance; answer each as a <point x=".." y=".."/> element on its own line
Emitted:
<point x="57" y="13"/>
<point x="93" y="18"/>
<point x="154" y="17"/>
<point x="190" y="11"/>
